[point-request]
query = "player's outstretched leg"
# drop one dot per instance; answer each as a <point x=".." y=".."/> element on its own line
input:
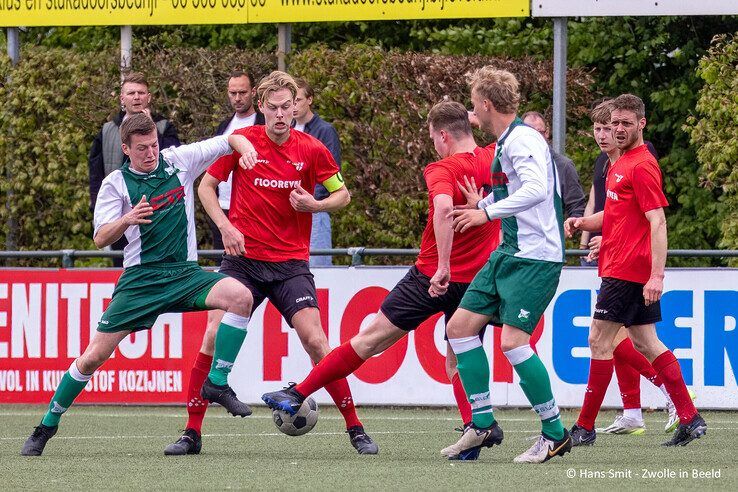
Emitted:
<point x="287" y="399"/>
<point x="688" y="432"/>
<point x="535" y="383"/>
<point x="473" y="367"/>
<point x="228" y="341"/>
<point x="70" y="386"/>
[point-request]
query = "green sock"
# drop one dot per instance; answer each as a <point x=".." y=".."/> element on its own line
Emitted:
<point x="536" y="385"/>
<point x="68" y="389"/>
<point x="473" y="369"/>
<point x="228" y="342"/>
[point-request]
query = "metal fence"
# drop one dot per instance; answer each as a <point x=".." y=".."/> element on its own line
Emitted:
<point x="357" y="254"/>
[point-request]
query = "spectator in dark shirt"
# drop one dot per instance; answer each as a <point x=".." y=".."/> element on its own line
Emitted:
<point x="309" y="122"/>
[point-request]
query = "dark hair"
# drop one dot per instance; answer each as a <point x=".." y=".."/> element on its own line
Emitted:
<point x="450" y="116"/>
<point x="303" y="84"/>
<point x="137" y="124"/>
<point x="536" y="114"/>
<point x="630" y="102"/>
<point x="242" y="73"/>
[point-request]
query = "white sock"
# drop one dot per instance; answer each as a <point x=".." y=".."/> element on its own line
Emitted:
<point x="465" y="344"/>
<point x="633" y="413"/>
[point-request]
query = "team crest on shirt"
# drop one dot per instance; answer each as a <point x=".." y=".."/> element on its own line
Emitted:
<point x="618" y="177"/>
<point x="523" y="316"/>
<point x="171" y="170"/>
<point x="298" y="165"/>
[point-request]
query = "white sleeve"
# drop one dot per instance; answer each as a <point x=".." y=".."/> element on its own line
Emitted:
<point x="111" y="202"/>
<point x="196" y="157"/>
<point x="530" y="164"/>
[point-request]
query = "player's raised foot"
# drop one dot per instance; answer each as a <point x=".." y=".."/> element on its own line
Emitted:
<point x="581" y="436"/>
<point x="625" y="425"/>
<point x="687" y="433"/>
<point x="546" y="448"/>
<point x="472" y="441"/>
<point x="225" y="397"/>
<point x="673" y="421"/>
<point x="287" y="399"/>
<point x="36" y="443"/>
<point x="189" y="442"/>
<point x="361" y="440"/>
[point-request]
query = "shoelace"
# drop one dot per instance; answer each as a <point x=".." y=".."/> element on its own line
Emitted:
<point x="539" y="445"/>
<point x="38" y="431"/>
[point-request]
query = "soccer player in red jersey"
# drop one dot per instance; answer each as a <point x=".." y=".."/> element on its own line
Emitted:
<point x="446" y="265"/>
<point x="631" y="264"/>
<point x="266" y="235"/>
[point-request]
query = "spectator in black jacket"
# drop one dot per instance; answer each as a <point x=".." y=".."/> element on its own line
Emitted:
<point x="309" y="122"/>
<point x="241" y="93"/>
<point x="571" y="189"/>
<point x="106" y="154"/>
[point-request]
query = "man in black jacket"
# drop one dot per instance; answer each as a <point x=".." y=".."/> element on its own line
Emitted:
<point x="106" y="154"/>
<point x="241" y="93"/>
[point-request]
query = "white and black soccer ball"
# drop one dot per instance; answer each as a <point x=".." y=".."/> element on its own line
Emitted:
<point x="301" y="422"/>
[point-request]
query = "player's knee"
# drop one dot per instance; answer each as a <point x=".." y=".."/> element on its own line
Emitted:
<point x="239" y="300"/>
<point x="89" y="362"/>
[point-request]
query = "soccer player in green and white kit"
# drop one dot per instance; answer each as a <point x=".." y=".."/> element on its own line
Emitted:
<point x="150" y="200"/>
<point x="521" y="276"/>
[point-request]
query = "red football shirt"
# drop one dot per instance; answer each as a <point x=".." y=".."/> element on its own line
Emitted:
<point x="633" y="187"/>
<point x="260" y="198"/>
<point x="471" y="249"/>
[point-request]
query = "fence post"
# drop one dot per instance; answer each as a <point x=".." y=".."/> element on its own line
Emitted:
<point x="67" y="258"/>
<point x="357" y="255"/>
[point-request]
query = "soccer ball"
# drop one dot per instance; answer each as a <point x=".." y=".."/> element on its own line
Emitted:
<point x="301" y="422"/>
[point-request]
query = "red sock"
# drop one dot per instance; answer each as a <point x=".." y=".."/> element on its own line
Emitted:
<point x="628" y="353"/>
<point x="339" y="363"/>
<point x="629" y="382"/>
<point x="670" y="372"/>
<point x="461" y="400"/>
<point x="600" y="374"/>
<point x="196" y="406"/>
<point x="341" y="394"/>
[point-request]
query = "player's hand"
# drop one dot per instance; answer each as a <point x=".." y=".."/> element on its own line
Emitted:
<point x="233" y="242"/>
<point x="465" y="219"/>
<point x="439" y="282"/>
<point x="653" y="289"/>
<point x="249" y="158"/>
<point x="470" y="192"/>
<point x="571" y="225"/>
<point x="594" y="248"/>
<point x="138" y="214"/>
<point x="473" y="120"/>
<point x="302" y="201"/>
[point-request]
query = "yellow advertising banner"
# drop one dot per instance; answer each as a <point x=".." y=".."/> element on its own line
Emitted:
<point x="14" y="13"/>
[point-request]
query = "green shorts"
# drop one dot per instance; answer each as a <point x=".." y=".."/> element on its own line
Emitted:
<point x="144" y="292"/>
<point x="513" y="290"/>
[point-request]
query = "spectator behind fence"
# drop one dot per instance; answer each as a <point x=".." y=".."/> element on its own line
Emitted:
<point x="572" y="194"/>
<point x="106" y="154"/>
<point x="309" y="122"/>
<point x="241" y="92"/>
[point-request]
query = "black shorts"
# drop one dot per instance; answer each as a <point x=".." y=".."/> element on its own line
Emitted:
<point x="622" y="301"/>
<point x="409" y="304"/>
<point x="288" y="284"/>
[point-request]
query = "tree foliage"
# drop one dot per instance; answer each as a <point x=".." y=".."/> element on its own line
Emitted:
<point x="714" y="131"/>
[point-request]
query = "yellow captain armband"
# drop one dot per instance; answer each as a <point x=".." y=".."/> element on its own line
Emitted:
<point x="334" y="183"/>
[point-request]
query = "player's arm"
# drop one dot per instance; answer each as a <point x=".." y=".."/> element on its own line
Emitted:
<point x="110" y="221"/>
<point x="443" y="228"/>
<point x="233" y="241"/>
<point x="243" y="146"/>
<point x="303" y="201"/>
<point x="588" y="209"/>
<point x="591" y="223"/>
<point x="655" y="286"/>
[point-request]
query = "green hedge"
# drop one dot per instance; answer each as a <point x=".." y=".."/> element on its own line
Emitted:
<point x="714" y="132"/>
<point x="57" y="99"/>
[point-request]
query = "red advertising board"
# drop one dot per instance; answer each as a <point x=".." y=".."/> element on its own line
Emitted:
<point x="46" y="319"/>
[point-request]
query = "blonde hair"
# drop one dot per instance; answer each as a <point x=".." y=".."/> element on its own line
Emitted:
<point x="274" y="82"/>
<point x="500" y="87"/>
